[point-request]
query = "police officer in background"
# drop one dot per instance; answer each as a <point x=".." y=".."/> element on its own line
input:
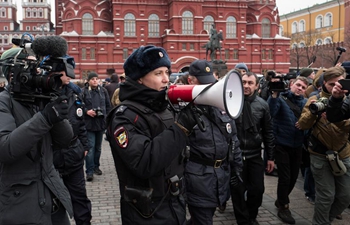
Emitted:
<point x="212" y="149"/>
<point x="31" y="191"/>
<point x="70" y="161"/>
<point x="148" y="147"/>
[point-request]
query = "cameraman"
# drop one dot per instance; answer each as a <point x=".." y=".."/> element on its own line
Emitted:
<point x="332" y="191"/>
<point x="70" y="161"/>
<point x="97" y="105"/>
<point x="148" y="148"/>
<point x="285" y="110"/>
<point x="31" y="191"/>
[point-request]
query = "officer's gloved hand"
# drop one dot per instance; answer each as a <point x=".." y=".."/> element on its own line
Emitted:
<point x="235" y="178"/>
<point x="186" y="120"/>
<point x="56" y="111"/>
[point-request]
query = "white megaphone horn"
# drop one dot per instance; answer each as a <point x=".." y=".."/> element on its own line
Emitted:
<point x="226" y="94"/>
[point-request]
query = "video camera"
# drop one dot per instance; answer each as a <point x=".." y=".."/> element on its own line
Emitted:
<point x="34" y="79"/>
<point x="282" y="84"/>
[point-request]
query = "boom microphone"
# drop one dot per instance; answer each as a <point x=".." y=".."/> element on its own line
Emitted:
<point x="226" y="94"/>
<point x="54" y="46"/>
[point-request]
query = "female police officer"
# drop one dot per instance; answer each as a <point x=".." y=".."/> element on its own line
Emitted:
<point x="147" y="146"/>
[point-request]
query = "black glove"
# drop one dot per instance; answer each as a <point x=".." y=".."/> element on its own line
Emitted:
<point x="56" y="111"/>
<point x="187" y="119"/>
<point x="235" y="178"/>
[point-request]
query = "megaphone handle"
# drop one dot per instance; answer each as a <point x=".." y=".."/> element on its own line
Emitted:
<point x="200" y="122"/>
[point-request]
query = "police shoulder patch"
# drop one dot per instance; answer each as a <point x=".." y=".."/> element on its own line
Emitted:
<point x="121" y="137"/>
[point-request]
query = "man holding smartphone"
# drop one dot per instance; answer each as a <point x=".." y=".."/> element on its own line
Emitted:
<point x="328" y="141"/>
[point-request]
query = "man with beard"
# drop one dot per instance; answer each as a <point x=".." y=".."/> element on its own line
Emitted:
<point x="254" y="127"/>
<point x="148" y="147"/>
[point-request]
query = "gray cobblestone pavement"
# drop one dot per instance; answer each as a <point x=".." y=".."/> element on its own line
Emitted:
<point x="104" y="194"/>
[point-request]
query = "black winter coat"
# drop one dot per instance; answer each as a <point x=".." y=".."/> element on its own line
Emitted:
<point x="68" y="160"/>
<point x="27" y="174"/>
<point x="251" y="140"/>
<point x="208" y="186"/>
<point x="147" y="156"/>
<point x="94" y="98"/>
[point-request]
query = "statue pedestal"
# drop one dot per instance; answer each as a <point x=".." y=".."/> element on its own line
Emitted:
<point x="220" y="66"/>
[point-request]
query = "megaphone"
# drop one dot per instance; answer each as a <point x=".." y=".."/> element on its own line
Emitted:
<point x="226" y="94"/>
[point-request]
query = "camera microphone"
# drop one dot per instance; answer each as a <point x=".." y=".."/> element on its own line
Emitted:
<point x="54" y="46"/>
<point x="341" y="49"/>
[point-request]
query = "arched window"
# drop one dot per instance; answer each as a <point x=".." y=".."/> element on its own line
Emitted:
<point x="153" y="25"/>
<point x="208" y="21"/>
<point x="88" y="24"/>
<point x="319" y="42"/>
<point x="40" y="13"/>
<point x="266" y="28"/>
<point x="281" y="30"/>
<point x="328" y="20"/>
<point x="294" y="45"/>
<point x="129" y="25"/>
<point x="319" y="21"/>
<point x="187" y="22"/>
<point x="301" y="44"/>
<point x="3" y="12"/>
<point x="328" y="40"/>
<point x="28" y="13"/>
<point x="294" y="27"/>
<point x="34" y="13"/>
<point x="231" y="27"/>
<point x="302" y="26"/>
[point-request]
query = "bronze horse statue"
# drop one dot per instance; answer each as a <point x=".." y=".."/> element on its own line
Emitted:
<point x="213" y="46"/>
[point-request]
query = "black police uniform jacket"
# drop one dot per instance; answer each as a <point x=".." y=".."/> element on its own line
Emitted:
<point x="147" y="149"/>
<point x="207" y="180"/>
<point x="94" y="98"/>
<point x="68" y="160"/>
<point x="28" y="178"/>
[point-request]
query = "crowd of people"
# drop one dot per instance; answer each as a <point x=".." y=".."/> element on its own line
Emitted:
<point x="168" y="159"/>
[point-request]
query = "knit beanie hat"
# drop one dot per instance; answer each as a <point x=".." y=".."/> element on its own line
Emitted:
<point x="242" y="66"/>
<point x="305" y="72"/>
<point x="144" y="60"/>
<point x="91" y="75"/>
<point x="9" y="55"/>
<point x="346" y="66"/>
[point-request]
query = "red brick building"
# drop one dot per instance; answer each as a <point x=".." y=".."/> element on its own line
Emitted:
<point x="102" y="34"/>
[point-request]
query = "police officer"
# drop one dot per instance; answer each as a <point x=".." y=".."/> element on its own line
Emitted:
<point x="148" y="148"/>
<point x="70" y="161"/>
<point x="212" y="149"/>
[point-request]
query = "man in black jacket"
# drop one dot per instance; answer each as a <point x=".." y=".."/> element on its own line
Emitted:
<point x="97" y="105"/>
<point x="70" y="161"/>
<point x="31" y="191"/>
<point x="254" y="127"/>
<point x="113" y="85"/>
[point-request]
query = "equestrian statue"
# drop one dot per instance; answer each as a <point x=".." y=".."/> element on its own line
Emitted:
<point x="213" y="45"/>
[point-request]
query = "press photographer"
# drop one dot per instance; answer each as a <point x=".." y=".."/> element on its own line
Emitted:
<point x="285" y="109"/>
<point x="329" y="147"/>
<point x="32" y="119"/>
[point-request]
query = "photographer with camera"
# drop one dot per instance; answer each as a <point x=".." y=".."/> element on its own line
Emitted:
<point x="329" y="146"/>
<point x="31" y="190"/>
<point x="285" y="109"/>
<point x="148" y="147"/>
<point x="97" y="105"/>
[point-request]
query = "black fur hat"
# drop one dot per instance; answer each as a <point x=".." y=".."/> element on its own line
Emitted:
<point x="144" y="60"/>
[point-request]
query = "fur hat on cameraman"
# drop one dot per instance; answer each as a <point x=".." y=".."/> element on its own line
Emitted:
<point x="144" y="60"/>
<point x="9" y="55"/>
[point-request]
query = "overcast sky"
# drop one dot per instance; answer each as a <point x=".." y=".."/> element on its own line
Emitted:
<point x="284" y="6"/>
<point x="287" y="6"/>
